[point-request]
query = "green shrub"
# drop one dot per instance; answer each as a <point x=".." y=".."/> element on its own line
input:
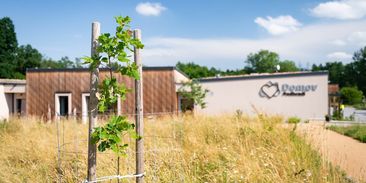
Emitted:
<point x="293" y="120"/>
<point x="351" y="95"/>
<point x="337" y="115"/>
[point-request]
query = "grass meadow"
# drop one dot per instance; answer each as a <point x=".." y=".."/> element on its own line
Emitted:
<point x="177" y="149"/>
<point x="357" y="132"/>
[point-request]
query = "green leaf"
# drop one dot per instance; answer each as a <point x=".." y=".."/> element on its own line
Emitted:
<point x="103" y="135"/>
<point x="103" y="146"/>
<point x="87" y="60"/>
<point x="95" y="136"/>
<point x="134" y="135"/>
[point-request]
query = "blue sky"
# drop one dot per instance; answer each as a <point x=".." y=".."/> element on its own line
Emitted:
<point x="212" y="32"/>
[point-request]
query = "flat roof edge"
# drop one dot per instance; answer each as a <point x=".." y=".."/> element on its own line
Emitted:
<point x="183" y="73"/>
<point x="87" y="69"/>
<point x="259" y="76"/>
<point x="12" y="81"/>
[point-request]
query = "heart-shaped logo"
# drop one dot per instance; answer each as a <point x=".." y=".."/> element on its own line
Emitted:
<point x="269" y="90"/>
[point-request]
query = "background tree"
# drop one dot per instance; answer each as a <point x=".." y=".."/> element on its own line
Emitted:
<point x="267" y="61"/>
<point x="196" y="71"/>
<point x="78" y="63"/>
<point x="336" y="72"/>
<point x="49" y="63"/>
<point x="347" y="75"/>
<point x="351" y="95"/>
<point x="15" y="60"/>
<point x="63" y="63"/>
<point x="27" y="57"/>
<point x="263" y="61"/>
<point x="350" y="76"/>
<point x="359" y="69"/>
<point x="288" y="66"/>
<point x="8" y="47"/>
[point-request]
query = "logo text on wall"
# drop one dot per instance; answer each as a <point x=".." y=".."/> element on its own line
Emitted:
<point x="273" y="89"/>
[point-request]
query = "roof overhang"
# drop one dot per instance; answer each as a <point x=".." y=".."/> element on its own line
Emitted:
<point x="13" y="85"/>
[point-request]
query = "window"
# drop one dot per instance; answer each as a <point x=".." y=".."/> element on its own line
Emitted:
<point x="63" y="104"/>
<point x="185" y="104"/>
<point x="18" y="106"/>
<point x="85" y="97"/>
<point x="85" y="107"/>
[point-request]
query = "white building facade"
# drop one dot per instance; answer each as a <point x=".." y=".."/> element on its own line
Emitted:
<point x="12" y="98"/>
<point x="300" y="94"/>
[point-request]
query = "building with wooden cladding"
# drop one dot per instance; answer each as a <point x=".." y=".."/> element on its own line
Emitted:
<point x="66" y="91"/>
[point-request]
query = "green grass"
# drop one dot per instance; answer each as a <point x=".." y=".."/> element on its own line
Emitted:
<point x="293" y="120"/>
<point x="355" y="131"/>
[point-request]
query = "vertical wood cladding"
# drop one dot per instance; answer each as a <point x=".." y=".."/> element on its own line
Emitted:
<point x="159" y="95"/>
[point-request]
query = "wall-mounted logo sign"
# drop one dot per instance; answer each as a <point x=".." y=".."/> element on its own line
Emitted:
<point x="269" y="90"/>
<point x="273" y="89"/>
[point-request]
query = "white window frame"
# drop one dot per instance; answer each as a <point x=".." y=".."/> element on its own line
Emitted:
<point x="119" y="107"/>
<point x="57" y="103"/>
<point x="84" y="107"/>
<point x="179" y="103"/>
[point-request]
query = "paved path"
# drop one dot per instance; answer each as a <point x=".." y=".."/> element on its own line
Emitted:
<point x="347" y="153"/>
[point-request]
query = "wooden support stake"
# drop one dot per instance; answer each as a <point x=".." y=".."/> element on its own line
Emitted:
<point x="139" y="113"/>
<point x="93" y="104"/>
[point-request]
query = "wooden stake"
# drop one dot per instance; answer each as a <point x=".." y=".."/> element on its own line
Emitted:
<point x="139" y="113"/>
<point x="93" y="104"/>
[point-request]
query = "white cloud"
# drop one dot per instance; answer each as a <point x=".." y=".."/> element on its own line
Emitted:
<point x="355" y="38"/>
<point x="338" y="42"/>
<point x="358" y="37"/>
<point x="342" y="9"/>
<point x="150" y="9"/>
<point x="310" y="44"/>
<point x="339" y="55"/>
<point x="279" y="25"/>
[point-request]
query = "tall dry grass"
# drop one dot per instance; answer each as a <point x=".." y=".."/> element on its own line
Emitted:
<point x="177" y="149"/>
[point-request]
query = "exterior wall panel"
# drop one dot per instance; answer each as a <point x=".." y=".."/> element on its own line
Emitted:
<point x="42" y="85"/>
<point x="4" y="109"/>
<point x="229" y="95"/>
<point x="10" y="91"/>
